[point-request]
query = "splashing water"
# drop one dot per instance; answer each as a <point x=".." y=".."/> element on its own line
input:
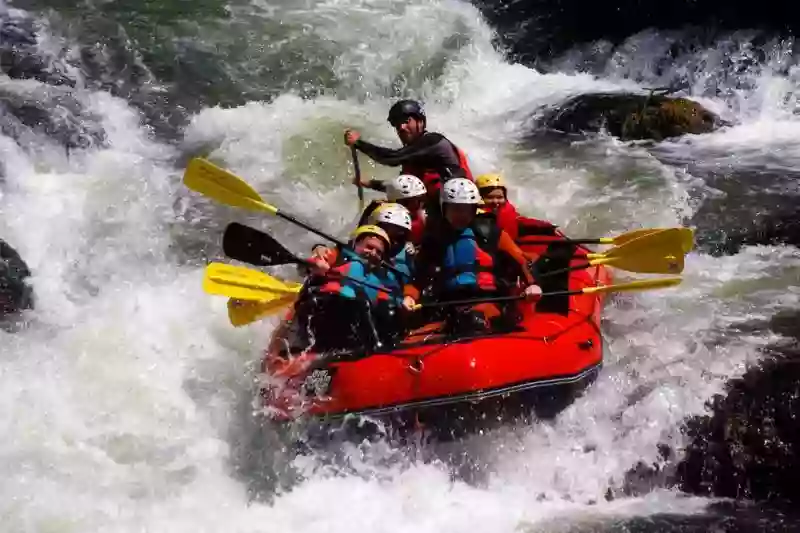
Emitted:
<point x="126" y="395"/>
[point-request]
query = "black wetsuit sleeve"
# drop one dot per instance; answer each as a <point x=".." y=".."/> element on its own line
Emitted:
<point x="377" y="185"/>
<point x="432" y="150"/>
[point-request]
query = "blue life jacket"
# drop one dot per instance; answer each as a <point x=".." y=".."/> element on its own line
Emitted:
<point x="360" y="278"/>
<point x="469" y="260"/>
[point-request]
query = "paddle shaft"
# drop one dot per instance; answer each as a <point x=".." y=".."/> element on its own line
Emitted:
<point x="208" y="179"/>
<point x="257" y="241"/>
<point x="618" y="240"/>
<point x="309" y="263"/>
<point x="563" y="241"/>
<point x="357" y="170"/>
<point x="609" y="262"/>
<point x="498" y="299"/>
<point x="639" y="285"/>
<point x="564" y="270"/>
<point x="249" y="285"/>
<point x="334" y="240"/>
<point x="687" y="238"/>
<point x="649" y="253"/>
<point x="359" y="282"/>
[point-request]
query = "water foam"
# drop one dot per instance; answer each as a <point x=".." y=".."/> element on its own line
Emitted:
<point x="126" y="393"/>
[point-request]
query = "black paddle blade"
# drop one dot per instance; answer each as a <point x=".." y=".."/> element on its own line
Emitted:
<point x="249" y="245"/>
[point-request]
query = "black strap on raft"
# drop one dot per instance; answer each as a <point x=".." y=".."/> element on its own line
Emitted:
<point x="336" y="324"/>
<point x="558" y="256"/>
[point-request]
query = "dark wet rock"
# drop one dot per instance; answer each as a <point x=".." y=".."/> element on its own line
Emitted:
<point x="771" y="229"/>
<point x="15" y="292"/>
<point x="52" y="111"/>
<point x="749" y="447"/>
<point x="531" y="30"/>
<point x="746" y="206"/>
<point x="719" y="517"/>
<point x="151" y="55"/>
<point x="112" y="62"/>
<point x="38" y="98"/>
<point x="643" y="478"/>
<point x="631" y="116"/>
<point x="20" y="55"/>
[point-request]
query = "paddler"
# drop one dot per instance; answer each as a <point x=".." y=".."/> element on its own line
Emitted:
<point x="462" y="260"/>
<point x="427" y="155"/>
<point x="354" y="312"/>
<point x="408" y="191"/>
<point x="395" y="220"/>
<point x="495" y="200"/>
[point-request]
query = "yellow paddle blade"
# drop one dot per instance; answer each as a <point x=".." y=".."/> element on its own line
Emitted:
<point x="644" y="264"/>
<point x="659" y="252"/>
<point x="641" y="285"/>
<point x="221" y="288"/>
<point x="664" y="242"/>
<point x="686" y="237"/>
<point x="210" y="180"/>
<point x="629" y="236"/>
<point x="245" y="284"/>
<point x="248" y="277"/>
<point x="243" y="312"/>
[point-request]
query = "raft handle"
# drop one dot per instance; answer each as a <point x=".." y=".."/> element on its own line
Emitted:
<point x="416" y="366"/>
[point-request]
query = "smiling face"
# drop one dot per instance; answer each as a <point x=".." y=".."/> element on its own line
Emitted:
<point x="494" y="198"/>
<point x="371" y="247"/>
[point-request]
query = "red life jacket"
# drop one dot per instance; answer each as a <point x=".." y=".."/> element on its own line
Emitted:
<point x="417" y="229"/>
<point x="507" y="220"/>
<point x="432" y="178"/>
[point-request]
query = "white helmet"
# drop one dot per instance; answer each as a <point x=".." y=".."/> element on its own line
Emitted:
<point x="405" y="186"/>
<point x="460" y="191"/>
<point x="394" y="214"/>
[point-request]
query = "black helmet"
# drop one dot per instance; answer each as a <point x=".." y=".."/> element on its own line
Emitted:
<point x="404" y="109"/>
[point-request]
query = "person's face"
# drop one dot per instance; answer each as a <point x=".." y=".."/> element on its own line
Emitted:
<point x="412" y="204"/>
<point x="495" y="198"/>
<point x="397" y="234"/>
<point x="371" y="247"/>
<point x="409" y="129"/>
<point x="459" y="215"/>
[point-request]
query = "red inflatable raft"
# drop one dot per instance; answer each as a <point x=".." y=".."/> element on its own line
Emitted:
<point x="557" y="345"/>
